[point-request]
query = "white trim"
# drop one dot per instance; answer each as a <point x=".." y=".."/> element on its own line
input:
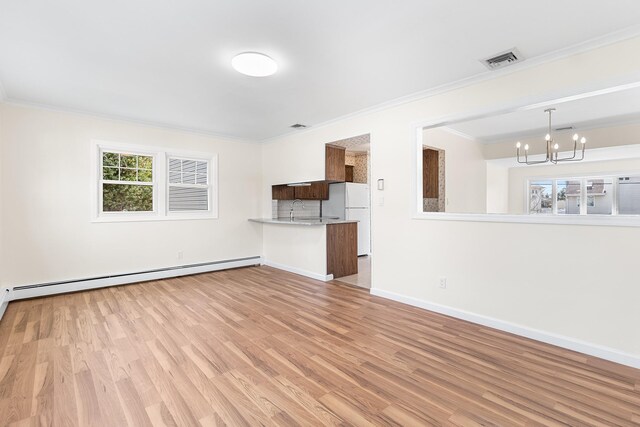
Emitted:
<point x="458" y="133"/>
<point x="138" y="122"/>
<point x="83" y="285"/>
<point x="160" y="183"/>
<point x="301" y="272"/>
<point x="5" y="297"/>
<point x="601" y="220"/>
<point x="585" y="46"/>
<point x="587" y="348"/>
<point x="418" y="142"/>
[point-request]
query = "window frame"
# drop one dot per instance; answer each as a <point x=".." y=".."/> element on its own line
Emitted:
<point x="211" y="186"/>
<point x="584" y="196"/>
<point x="160" y="183"/>
<point x="102" y="181"/>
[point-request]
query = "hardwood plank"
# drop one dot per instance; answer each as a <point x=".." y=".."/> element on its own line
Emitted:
<point x="258" y="346"/>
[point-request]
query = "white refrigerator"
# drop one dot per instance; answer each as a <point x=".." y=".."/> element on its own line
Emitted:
<point x="351" y="201"/>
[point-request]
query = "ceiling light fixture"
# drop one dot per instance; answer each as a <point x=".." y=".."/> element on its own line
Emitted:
<point x="552" y="148"/>
<point x="254" y="64"/>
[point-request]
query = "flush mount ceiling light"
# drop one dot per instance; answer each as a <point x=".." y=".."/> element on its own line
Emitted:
<point x="254" y="64"/>
<point x="552" y="148"/>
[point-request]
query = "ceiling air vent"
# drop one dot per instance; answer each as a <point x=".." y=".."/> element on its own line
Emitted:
<point x="298" y="126"/>
<point x="564" y="128"/>
<point x="502" y="59"/>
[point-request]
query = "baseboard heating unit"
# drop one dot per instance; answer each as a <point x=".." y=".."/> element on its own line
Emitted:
<point x="51" y="288"/>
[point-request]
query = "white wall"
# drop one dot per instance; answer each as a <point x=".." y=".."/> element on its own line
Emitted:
<point x="45" y="187"/>
<point x="497" y="188"/>
<point x="298" y="248"/>
<point x="489" y="265"/>
<point x="465" y="171"/>
<point x="518" y="176"/>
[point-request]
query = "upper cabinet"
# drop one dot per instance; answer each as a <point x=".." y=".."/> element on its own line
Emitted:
<point x="348" y="171"/>
<point x="282" y="192"/>
<point x="315" y="191"/>
<point x="334" y="163"/>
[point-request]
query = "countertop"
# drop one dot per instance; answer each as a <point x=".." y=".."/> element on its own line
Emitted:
<point x="302" y="221"/>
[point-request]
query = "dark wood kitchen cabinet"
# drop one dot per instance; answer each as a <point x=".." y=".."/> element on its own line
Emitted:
<point x="315" y="191"/>
<point x="282" y="192"/>
<point x="334" y="170"/>
<point x="342" y="249"/>
<point x="430" y="174"/>
<point x="348" y="173"/>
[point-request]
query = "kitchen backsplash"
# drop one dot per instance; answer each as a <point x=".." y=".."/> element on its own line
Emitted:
<point x="281" y="208"/>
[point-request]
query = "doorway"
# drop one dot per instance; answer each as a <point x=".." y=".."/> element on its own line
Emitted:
<point x="357" y="206"/>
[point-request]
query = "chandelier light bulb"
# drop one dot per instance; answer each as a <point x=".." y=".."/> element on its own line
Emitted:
<point x="552" y="148"/>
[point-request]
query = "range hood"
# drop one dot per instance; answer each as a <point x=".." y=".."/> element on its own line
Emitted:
<point x="299" y="184"/>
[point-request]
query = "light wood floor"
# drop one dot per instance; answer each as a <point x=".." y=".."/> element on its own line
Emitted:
<point x="259" y="346"/>
<point x="363" y="277"/>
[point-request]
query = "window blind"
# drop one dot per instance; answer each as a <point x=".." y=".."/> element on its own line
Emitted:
<point x="188" y="185"/>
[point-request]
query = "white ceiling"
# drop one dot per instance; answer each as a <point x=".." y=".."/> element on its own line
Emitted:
<point x="168" y="62"/>
<point x="587" y="113"/>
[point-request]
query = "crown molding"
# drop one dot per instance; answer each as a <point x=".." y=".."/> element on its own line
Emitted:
<point x="458" y="133"/>
<point x="111" y="117"/>
<point x="585" y="46"/>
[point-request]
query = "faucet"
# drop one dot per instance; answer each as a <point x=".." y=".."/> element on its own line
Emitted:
<point x="292" y="205"/>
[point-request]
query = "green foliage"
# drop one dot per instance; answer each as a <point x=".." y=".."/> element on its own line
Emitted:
<point x="127" y="198"/>
<point x="145" y="162"/>
<point x="110" y="159"/>
<point x="110" y="174"/>
<point x="144" y="175"/>
<point x="128" y="161"/>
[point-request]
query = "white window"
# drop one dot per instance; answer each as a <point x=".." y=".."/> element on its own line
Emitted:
<point x="127" y="182"/>
<point x="140" y="183"/>
<point x="188" y="185"/>
<point x="601" y="195"/>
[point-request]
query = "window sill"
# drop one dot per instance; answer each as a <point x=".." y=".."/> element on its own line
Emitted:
<point x="148" y="218"/>
<point x="591" y="220"/>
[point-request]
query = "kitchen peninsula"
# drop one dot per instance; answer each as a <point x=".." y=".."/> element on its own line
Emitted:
<point x="321" y="248"/>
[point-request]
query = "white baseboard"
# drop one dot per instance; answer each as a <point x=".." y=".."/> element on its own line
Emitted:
<point x="590" y="349"/>
<point x="311" y="274"/>
<point x="4" y="301"/>
<point x="32" y="291"/>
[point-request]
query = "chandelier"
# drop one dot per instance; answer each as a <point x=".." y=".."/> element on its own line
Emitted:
<point x="552" y="148"/>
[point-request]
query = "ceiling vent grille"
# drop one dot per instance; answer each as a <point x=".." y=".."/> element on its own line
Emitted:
<point x="564" y="128"/>
<point x="298" y="126"/>
<point x="502" y="59"/>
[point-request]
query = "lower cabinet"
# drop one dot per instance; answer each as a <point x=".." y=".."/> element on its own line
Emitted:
<point x="342" y="249"/>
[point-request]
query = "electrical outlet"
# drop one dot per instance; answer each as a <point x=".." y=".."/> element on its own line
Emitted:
<point x="443" y="282"/>
<point x="180" y="254"/>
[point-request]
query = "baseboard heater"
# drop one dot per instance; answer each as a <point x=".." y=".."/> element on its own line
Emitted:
<point x="50" y="288"/>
